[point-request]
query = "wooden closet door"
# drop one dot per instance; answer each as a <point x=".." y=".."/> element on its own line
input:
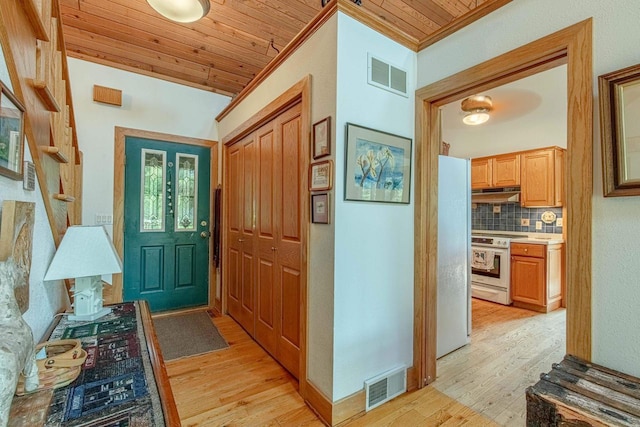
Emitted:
<point x="240" y="235"/>
<point x="289" y="246"/>
<point x="264" y="275"/>
<point x="266" y="236"/>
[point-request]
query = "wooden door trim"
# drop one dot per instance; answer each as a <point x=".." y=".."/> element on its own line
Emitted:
<point x="300" y="92"/>
<point x="573" y="46"/>
<point x="114" y="293"/>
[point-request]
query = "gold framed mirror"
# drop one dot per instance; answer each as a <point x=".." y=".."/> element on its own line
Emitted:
<point x="620" y="131"/>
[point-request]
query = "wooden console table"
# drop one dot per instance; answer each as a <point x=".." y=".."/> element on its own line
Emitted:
<point x="36" y="409"/>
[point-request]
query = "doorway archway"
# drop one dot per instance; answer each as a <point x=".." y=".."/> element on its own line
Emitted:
<point x="571" y="46"/>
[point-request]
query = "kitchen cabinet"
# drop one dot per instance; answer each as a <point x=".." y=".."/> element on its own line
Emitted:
<point x="481" y="173"/>
<point x="542" y="177"/>
<point x="496" y="171"/>
<point x="536" y="276"/>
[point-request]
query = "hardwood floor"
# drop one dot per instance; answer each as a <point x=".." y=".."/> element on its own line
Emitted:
<point x="243" y="386"/>
<point x="510" y="348"/>
<point x="480" y="384"/>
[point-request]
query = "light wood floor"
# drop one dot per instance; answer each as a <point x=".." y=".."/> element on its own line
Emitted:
<point x="509" y="349"/>
<point x="243" y="386"/>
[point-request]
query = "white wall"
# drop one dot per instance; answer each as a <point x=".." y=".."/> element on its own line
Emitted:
<point x="528" y="113"/>
<point x="148" y="104"/>
<point x="616" y="294"/>
<point x="317" y="57"/>
<point x="45" y="299"/>
<point x="373" y="319"/>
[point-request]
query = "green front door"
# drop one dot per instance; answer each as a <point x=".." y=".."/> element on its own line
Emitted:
<point x="166" y="223"/>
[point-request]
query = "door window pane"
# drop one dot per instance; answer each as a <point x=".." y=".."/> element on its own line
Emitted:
<point x="153" y="190"/>
<point x="186" y="192"/>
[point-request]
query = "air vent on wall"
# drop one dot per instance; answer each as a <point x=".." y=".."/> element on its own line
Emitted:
<point x="385" y="387"/>
<point x="386" y="76"/>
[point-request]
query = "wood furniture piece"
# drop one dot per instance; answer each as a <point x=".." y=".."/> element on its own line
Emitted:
<point x="263" y="235"/>
<point x="495" y="171"/>
<point x="536" y="276"/>
<point x="577" y="393"/>
<point x="32" y="409"/>
<point x="542" y="177"/>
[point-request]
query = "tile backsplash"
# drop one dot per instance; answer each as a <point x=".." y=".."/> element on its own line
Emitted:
<point x="510" y="216"/>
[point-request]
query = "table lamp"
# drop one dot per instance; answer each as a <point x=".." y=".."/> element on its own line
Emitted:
<point x="85" y="253"/>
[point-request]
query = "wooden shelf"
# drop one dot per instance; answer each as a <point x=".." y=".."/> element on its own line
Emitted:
<point x="54" y="153"/>
<point x="45" y="95"/>
<point x="33" y="14"/>
<point x="64" y="198"/>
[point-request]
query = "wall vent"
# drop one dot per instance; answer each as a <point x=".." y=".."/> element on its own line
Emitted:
<point x="386" y="76"/>
<point x="385" y="387"/>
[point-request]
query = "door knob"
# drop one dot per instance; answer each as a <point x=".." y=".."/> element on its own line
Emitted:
<point x="205" y="234"/>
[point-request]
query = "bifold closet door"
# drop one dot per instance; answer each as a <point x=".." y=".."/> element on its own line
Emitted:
<point x="240" y="237"/>
<point x="264" y="236"/>
<point x="278" y="235"/>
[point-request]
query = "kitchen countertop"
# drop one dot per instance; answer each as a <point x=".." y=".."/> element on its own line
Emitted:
<point x="535" y="238"/>
<point x="539" y="240"/>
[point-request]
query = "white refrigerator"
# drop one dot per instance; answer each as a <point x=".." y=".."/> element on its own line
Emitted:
<point x="454" y="246"/>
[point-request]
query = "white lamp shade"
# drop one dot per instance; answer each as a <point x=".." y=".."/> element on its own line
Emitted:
<point x="181" y="10"/>
<point x="476" y="118"/>
<point x="84" y="251"/>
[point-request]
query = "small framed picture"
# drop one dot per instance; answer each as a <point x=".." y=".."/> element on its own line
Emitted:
<point x="320" y="208"/>
<point x="11" y="134"/>
<point x="322" y="138"/>
<point x="320" y="176"/>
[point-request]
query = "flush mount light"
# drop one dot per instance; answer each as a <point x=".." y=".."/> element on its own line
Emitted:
<point x="181" y="10"/>
<point x="477" y="109"/>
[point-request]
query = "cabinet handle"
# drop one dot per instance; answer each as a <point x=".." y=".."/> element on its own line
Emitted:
<point x="273" y="248"/>
<point x="240" y="240"/>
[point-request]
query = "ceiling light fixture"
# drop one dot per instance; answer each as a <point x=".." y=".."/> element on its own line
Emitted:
<point x="181" y="10"/>
<point x="477" y="109"/>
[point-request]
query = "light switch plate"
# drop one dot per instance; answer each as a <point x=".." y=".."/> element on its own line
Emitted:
<point x="538" y="225"/>
<point x="559" y="222"/>
<point x="524" y="222"/>
<point x="496" y="208"/>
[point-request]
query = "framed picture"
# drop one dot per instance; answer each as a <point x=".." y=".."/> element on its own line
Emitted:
<point x="620" y="132"/>
<point x="322" y="138"/>
<point x="320" y="176"/>
<point x="320" y="208"/>
<point x="378" y="166"/>
<point x="11" y="134"/>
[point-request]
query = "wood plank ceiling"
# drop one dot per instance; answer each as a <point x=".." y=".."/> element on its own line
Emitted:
<point x="237" y="39"/>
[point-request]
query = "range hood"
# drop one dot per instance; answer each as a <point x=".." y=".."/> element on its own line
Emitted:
<point x="496" y="197"/>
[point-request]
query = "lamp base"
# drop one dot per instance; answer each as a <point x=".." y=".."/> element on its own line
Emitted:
<point x="90" y="316"/>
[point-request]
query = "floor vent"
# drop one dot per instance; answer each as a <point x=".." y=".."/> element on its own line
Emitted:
<point x="385" y="387"/>
<point x="386" y="76"/>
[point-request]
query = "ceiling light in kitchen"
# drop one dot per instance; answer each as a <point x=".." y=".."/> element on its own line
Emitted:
<point x="476" y="109"/>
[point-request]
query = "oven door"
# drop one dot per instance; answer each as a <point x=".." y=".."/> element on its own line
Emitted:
<point x="498" y="275"/>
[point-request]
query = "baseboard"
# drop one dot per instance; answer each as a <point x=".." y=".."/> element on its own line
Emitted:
<point x="412" y="379"/>
<point x="319" y="403"/>
<point x="349" y="407"/>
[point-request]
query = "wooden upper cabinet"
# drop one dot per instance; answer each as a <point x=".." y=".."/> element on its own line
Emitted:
<point x="542" y="177"/>
<point x="506" y="170"/>
<point x="481" y="173"/>
<point x="495" y="172"/>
